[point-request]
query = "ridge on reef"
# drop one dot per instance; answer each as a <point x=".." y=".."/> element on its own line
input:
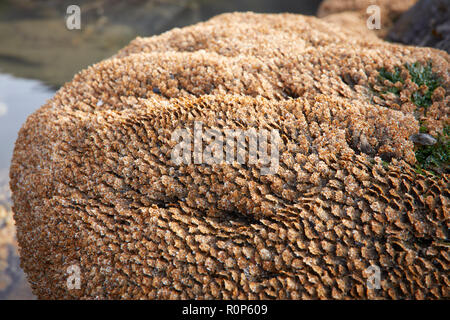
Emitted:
<point x="93" y="183"/>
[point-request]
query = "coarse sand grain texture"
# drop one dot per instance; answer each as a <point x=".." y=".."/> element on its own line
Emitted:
<point x="94" y="185"/>
<point x="13" y="284"/>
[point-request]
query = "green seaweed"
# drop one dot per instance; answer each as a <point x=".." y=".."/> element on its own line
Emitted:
<point x="392" y="77"/>
<point x="423" y="127"/>
<point x="435" y="158"/>
<point x="385" y="164"/>
<point x="423" y="75"/>
<point x="420" y="75"/>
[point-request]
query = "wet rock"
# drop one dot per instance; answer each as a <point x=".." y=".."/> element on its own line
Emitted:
<point x="426" y="24"/>
<point x="423" y="139"/>
<point x="353" y="13"/>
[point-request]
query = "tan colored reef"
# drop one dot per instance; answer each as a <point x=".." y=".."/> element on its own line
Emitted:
<point x="93" y="183"/>
<point x="353" y="13"/>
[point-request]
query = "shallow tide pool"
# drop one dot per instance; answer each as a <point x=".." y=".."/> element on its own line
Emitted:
<point x="18" y="99"/>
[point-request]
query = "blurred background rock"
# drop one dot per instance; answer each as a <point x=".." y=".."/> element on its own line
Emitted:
<point x="426" y="24"/>
<point x="38" y="54"/>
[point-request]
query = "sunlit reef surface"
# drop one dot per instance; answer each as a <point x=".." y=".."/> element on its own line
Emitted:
<point x="94" y="184"/>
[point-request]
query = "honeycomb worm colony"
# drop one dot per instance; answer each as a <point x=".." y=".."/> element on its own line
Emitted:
<point x="93" y="183"/>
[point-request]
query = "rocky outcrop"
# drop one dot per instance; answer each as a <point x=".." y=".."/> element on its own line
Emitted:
<point x="426" y="24"/>
<point x="94" y="184"/>
<point x="13" y="284"/>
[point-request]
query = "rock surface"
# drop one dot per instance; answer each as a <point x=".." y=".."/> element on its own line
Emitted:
<point x="94" y="185"/>
<point x="426" y="24"/>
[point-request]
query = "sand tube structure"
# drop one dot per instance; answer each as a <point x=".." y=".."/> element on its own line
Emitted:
<point x="96" y="190"/>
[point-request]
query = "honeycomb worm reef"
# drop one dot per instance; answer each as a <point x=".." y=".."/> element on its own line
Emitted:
<point x="94" y="185"/>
